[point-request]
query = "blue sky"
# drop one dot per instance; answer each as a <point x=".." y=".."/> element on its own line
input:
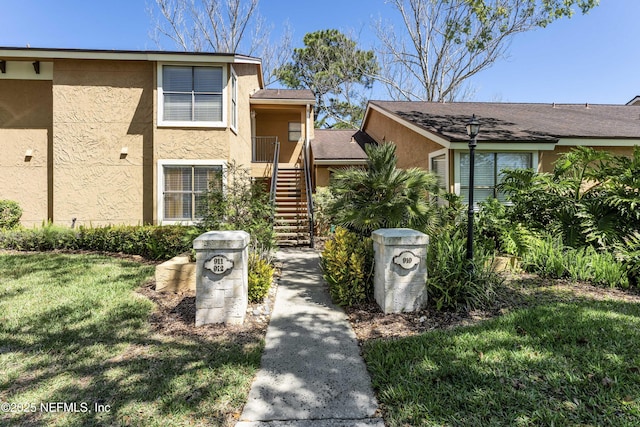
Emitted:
<point x="593" y="58"/>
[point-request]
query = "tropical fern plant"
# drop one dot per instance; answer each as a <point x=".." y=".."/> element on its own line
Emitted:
<point x="592" y="197"/>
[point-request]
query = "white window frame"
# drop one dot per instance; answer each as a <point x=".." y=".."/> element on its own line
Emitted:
<point x="192" y="124"/>
<point x="439" y="153"/>
<point x="456" y="162"/>
<point x="182" y="162"/>
<point x="233" y="102"/>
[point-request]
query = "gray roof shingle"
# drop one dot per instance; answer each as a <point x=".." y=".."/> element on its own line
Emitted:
<point x="282" y="94"/>
<point x="520" y="122"/>
<point x="332" y="144"/>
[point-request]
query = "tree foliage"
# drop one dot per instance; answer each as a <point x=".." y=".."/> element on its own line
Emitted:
<point x="382" y="195"/>
<point x="226" y="26"/>
<point x="331" y="65"/>
<point x="442" y="43"/>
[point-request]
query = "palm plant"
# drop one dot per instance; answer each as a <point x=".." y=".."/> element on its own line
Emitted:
<point x="382" y="195"/>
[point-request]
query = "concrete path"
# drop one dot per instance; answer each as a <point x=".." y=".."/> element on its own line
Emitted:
<point x="311" y="373"/>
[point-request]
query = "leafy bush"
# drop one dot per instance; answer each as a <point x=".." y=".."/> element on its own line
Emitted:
<point x="10" y="214"/>
<point x="590" y="199"/>
<point x="243" y="205"/>
<point x="322" y="201"/>
<point x="452" y="281"/>
<point x="548" y="257"/>
<point x="260" y="277"/>
<point x="496" y="231"/>
<point x="628" y="253"/>
<point x="151" y="242"/>
<point x="347" y="263"/>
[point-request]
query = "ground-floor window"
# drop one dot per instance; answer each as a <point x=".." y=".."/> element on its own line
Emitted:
<point x="487" y="173"/>
<point x="184" y="189"/>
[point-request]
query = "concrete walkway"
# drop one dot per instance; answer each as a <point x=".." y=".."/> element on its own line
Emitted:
<point x="311" y="373"/>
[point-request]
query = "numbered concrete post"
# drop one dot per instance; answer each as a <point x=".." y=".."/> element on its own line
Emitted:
<point x="400" y="271"/>
<point x="222" y="277"/>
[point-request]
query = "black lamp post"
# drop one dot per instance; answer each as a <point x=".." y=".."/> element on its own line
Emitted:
<point x="473" y="128"/>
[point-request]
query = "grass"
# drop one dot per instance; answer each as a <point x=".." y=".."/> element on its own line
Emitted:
<point x="73" y="330"/>
<point x="560" y="361"/>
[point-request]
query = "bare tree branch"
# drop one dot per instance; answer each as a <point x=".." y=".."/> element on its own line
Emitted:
<point x="228" y="26"/>
<point x="445" y="42"/>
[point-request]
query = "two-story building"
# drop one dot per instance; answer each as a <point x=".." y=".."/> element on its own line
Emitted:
<point x="135" y="137"/>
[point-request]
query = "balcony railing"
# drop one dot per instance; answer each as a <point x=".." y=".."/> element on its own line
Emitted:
<point x="264" y="148"/>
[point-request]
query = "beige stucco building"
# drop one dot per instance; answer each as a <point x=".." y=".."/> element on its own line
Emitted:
<point x="127" y="137"/>
<point x="433" y="136"/>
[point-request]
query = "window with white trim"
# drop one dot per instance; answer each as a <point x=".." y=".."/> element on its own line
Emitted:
<point x="234" y="101"/>
<point x="488" y="173"/>
<point x="439" y="169"/>
<point x="192" y="95"/>
<point x="184" y="190"/>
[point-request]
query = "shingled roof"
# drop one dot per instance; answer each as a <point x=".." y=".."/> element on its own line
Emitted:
<point x="334" y="145"/>
<point x="285" y="94"/>
<point x="519" y="122"/>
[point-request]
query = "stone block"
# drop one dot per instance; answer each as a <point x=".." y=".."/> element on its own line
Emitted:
<point x="400" y="269"/>
<point x="176" y="275"/>
<point x="222" y="281"/>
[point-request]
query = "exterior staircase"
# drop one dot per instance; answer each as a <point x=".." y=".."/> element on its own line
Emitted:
<point x="291" y="208"/>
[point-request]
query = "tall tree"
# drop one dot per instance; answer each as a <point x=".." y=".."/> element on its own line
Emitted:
<point x="331" y="65"/>
<point x="227" y="26"/>
<point x="443" y="43"/>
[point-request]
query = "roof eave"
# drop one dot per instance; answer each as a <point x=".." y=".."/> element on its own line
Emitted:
<point x="130" y="55"/>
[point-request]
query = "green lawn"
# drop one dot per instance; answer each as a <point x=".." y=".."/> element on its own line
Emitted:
<point x="558" y="362"/>
<point x="73" y="331"/>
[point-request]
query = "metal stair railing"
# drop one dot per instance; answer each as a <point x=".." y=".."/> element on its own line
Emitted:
<point x="307" y="181"/>
<point x="274" y="172"/>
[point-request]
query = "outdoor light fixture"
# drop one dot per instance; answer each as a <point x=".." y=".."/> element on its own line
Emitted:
<point x="473" y="128"/>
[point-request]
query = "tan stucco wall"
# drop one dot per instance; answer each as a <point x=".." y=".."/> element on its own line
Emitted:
<point x="548" y="158"/>
<point x="412" y="148"/>
<point x="322" y="176"/>
<point x="99" y="107"/>
<point x="241" y="144"/>
<point x="274" y="121"/>
<point x="26" y="124"/>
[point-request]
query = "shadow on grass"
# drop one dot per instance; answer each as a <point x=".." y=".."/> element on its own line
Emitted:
<point x="572" y="361"/>
<point x="89" y="351"/>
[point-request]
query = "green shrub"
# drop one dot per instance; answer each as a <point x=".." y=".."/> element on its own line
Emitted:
<point x="628" y="253"/>
<point x="548" y="257"/>
<point x="452" y="281"/>
<point x="322" y="201"/>
<point x="243" y="205"/>
<point x="260" y="277"/>
<point x="10" y="214"/>
<point x="46" y="238"/>
<point x="151" y="242"/>
<point x="382" y="195"/>
<point x="347" y="263"/>
<point x="545" y="257"/>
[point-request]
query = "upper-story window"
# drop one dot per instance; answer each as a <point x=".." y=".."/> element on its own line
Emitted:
<point x="192" y="96"/>
<point x="295" y="131"/>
